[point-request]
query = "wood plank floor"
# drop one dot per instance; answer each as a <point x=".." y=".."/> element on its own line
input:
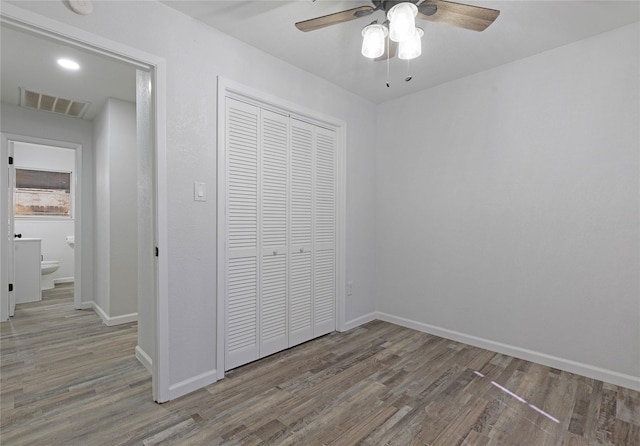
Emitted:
<point x="66" y="379"/>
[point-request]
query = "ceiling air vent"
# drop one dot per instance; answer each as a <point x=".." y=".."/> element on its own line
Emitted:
<point x="54" y="104"/>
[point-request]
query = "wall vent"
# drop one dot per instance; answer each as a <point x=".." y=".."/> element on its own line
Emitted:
<point x="54" y="104"/>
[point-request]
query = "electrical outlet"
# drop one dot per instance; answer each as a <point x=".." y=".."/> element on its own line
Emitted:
<point x="349" y="288"/>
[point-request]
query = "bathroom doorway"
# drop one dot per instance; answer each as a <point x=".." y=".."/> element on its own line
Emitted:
<point x="46" y="189"/>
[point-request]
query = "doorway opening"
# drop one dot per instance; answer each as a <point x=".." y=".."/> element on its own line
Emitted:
<point x="151" y="167"/>
<point x="45" y="188"/>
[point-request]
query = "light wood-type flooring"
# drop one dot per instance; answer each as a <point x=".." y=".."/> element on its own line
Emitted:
<point x="66" y="379"/>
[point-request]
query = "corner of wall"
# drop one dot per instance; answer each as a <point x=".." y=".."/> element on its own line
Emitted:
<point x="192" y="384"/>
<point x="144" y="359"/>
<point x="113" y="320"/>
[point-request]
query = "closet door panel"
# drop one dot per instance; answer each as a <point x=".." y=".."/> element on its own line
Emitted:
<point x="324" y="292"/>
<point x="301" y="185"/>
<point x="273" y="305"/>
<point x="242" y="303"/>
<point x="325" y="189"/>
<point x="301" y="233"/>
<point x="324" y="231"/>
<point x="275" y="135"/>
<point x="273" y="298"/>
<point x="242" y="312"/>
<point x="301" y="304"/>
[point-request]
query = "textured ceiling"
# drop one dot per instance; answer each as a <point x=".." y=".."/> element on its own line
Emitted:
<point x="523" y="28"/>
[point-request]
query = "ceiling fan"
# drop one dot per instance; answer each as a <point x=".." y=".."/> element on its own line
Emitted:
<point x="475" y="18"/>
<point x="470" y="17"/>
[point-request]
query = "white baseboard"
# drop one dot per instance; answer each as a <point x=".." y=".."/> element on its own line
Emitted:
<point x="115" y="320"/>
<point x="189" y="385"/>
<point x="86" y="306"/>
<point x="353" y="323"/>
<point x="590" y="371"/>
<point x="63" y="280"/>
<point x="144" y="359"/>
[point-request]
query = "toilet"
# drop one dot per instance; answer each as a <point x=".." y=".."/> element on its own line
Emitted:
<point x="47" y="268"/>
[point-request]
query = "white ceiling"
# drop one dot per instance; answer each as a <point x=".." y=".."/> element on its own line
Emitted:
<point x="524" y="28"/>
<point x="29" y="61"/>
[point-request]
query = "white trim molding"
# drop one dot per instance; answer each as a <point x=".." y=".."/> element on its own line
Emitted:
<point x="590" y="371"/>
<point x="353" y="323"/>
<point x="192" y="384"/>
<point x="115" y="320"/>
<point x="144" y="359"/>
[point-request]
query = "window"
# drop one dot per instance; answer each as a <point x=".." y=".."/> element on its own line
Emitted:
<point x="42" y="193"/>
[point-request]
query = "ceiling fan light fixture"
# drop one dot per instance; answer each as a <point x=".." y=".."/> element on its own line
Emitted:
<point x="402" y="19"/>
<point x="412" y="47"/>
<point x="373" y="38"/>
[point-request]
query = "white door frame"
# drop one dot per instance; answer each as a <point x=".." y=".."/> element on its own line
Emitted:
<point x="227" y="87"/>
<point x="8" y="138"/>
<point x="8" y="153"/>
<point x="35" y="23"/>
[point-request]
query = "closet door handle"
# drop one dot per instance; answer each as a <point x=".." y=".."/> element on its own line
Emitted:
<point x="301" y="249"/>
<point x="17" y="235"/>
<point x="275" y="253"/>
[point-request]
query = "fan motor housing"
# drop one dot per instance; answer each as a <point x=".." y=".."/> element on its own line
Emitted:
<point x="386" y="5"/>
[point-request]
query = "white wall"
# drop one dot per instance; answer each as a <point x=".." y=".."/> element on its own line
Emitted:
<point x="124" y="207"/>
<point x="101" y="209"/>
<point x="38" y="124"/>
<point x="116" y="213"/>
<point x="52" y="231"/>
<point x="507" y="207"/>
<point x="195" y="54"/>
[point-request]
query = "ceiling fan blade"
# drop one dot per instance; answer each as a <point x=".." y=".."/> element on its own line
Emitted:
<point x="334" y="19"/>
<point x="392" y="48"/>
<point x="456" y="14"/>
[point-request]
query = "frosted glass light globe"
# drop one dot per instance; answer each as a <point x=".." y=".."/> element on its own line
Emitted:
<point x="403" y="21"/>
<point x="412" y="47"/>
<point x="373" y="39"/>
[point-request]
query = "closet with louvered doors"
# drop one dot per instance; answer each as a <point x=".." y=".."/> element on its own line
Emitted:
<point x="280" y="232"/>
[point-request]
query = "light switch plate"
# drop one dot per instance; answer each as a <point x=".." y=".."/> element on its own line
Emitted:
<point x="199" y="191"/>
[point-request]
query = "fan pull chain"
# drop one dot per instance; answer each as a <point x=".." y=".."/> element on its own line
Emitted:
<point x="388" y="52"/>
<point x="409" y="76"/>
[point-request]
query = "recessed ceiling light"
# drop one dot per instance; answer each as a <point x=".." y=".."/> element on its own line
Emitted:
<point x="68" y="64"/>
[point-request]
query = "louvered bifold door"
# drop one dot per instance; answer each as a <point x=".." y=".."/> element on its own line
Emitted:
<point x="242" y="305"/>
<point x="273" y="268"/>
<point x="324" y="187"/>
<point x="300" y="233"/>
